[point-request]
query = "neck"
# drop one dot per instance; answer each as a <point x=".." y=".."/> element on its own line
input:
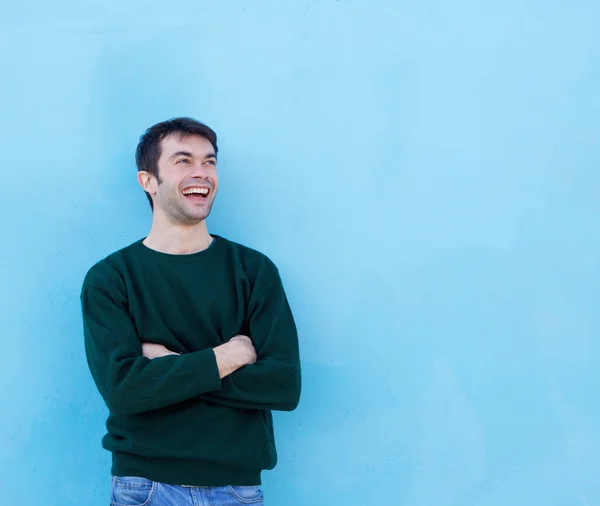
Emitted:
<point x="177" y="239"/>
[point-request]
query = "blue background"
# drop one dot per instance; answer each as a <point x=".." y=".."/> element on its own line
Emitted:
<point x="424" y="173"/>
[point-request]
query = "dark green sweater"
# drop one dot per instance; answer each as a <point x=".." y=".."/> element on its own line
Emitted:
<point x="172" y="419"/>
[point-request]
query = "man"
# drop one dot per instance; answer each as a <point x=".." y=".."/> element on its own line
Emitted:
<point x="190" y="340"/>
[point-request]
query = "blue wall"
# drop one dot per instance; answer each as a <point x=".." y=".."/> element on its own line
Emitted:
<point x="425" y="174"/>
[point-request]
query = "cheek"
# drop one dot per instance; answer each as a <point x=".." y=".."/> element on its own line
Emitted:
<point x="168" y="188"/>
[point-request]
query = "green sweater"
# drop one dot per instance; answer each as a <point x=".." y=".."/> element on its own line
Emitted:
<point x="172" y="419"/>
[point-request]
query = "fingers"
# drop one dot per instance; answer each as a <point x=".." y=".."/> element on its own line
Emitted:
<point x="241" y="337"/>
<point x="247" y="350"/>
<point x="153" y="350"/>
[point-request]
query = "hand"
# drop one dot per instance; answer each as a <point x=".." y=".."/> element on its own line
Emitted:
<point x="153" y="350"/>
<point x="248" y="352"/>
<point x="233" y="355"/>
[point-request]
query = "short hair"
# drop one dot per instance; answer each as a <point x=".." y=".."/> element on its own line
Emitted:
<point x="148" y="150"/>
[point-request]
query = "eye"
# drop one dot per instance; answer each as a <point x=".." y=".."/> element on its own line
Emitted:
<point x="211" y="162"/>
<point x="183" y="160"/>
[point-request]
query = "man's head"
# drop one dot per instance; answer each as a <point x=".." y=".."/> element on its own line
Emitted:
<point x="177" y="168"/>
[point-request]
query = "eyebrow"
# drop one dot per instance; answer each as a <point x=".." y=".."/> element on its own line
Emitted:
<point x="190" y="155"/>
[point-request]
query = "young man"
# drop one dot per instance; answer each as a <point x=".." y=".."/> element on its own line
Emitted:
<point x="190" y="340"/>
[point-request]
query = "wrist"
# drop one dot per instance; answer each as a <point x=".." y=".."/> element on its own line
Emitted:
<point x="227" y="361"/>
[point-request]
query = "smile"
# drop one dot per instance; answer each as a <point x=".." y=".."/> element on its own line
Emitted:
<point x="201" y="191"/>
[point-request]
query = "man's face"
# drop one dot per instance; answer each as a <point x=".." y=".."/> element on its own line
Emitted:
<point x="188" y="180"/>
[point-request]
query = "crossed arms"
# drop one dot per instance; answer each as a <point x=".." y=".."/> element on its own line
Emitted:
<point x="260" y="371"/>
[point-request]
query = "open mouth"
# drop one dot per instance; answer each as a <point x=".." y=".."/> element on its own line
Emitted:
<point x="196" y="193"/>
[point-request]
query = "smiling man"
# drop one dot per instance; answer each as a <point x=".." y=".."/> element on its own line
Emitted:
<point x="190" y="340"/>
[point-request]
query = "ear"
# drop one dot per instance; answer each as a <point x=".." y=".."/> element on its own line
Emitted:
<point x="147" y="181"/>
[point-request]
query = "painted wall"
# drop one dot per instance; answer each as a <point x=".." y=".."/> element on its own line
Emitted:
<point x="425" y="174"/>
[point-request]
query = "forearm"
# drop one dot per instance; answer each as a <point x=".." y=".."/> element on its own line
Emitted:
<point x="274" y="381"/>
<point x="127" y="379"/>
<point x="268" y="384"/>
<point x="137" y="384"/>
<point x="233" y="355"/>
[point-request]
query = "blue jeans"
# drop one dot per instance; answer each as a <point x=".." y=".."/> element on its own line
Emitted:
<point x="133" y="491"/>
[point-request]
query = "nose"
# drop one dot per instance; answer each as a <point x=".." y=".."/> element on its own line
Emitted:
<point x="199" y="171"/>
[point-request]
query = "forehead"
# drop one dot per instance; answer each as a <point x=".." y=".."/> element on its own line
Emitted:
<point x="195" y="144"/>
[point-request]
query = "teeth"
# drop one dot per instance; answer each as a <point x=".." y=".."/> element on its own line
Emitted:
<point x="201" y="191"/>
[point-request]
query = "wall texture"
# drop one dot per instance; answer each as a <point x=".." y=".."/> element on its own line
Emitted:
<point x="426" y="175"/>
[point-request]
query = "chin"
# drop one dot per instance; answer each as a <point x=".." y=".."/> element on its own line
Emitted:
<point x="197" y="218"/>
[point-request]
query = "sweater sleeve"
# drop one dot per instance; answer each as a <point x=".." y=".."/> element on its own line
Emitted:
<point x="274" y="381"/>
<point x="129" y="382"/>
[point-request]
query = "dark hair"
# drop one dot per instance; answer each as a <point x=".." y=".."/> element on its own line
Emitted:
<point x="149" y="149"/>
